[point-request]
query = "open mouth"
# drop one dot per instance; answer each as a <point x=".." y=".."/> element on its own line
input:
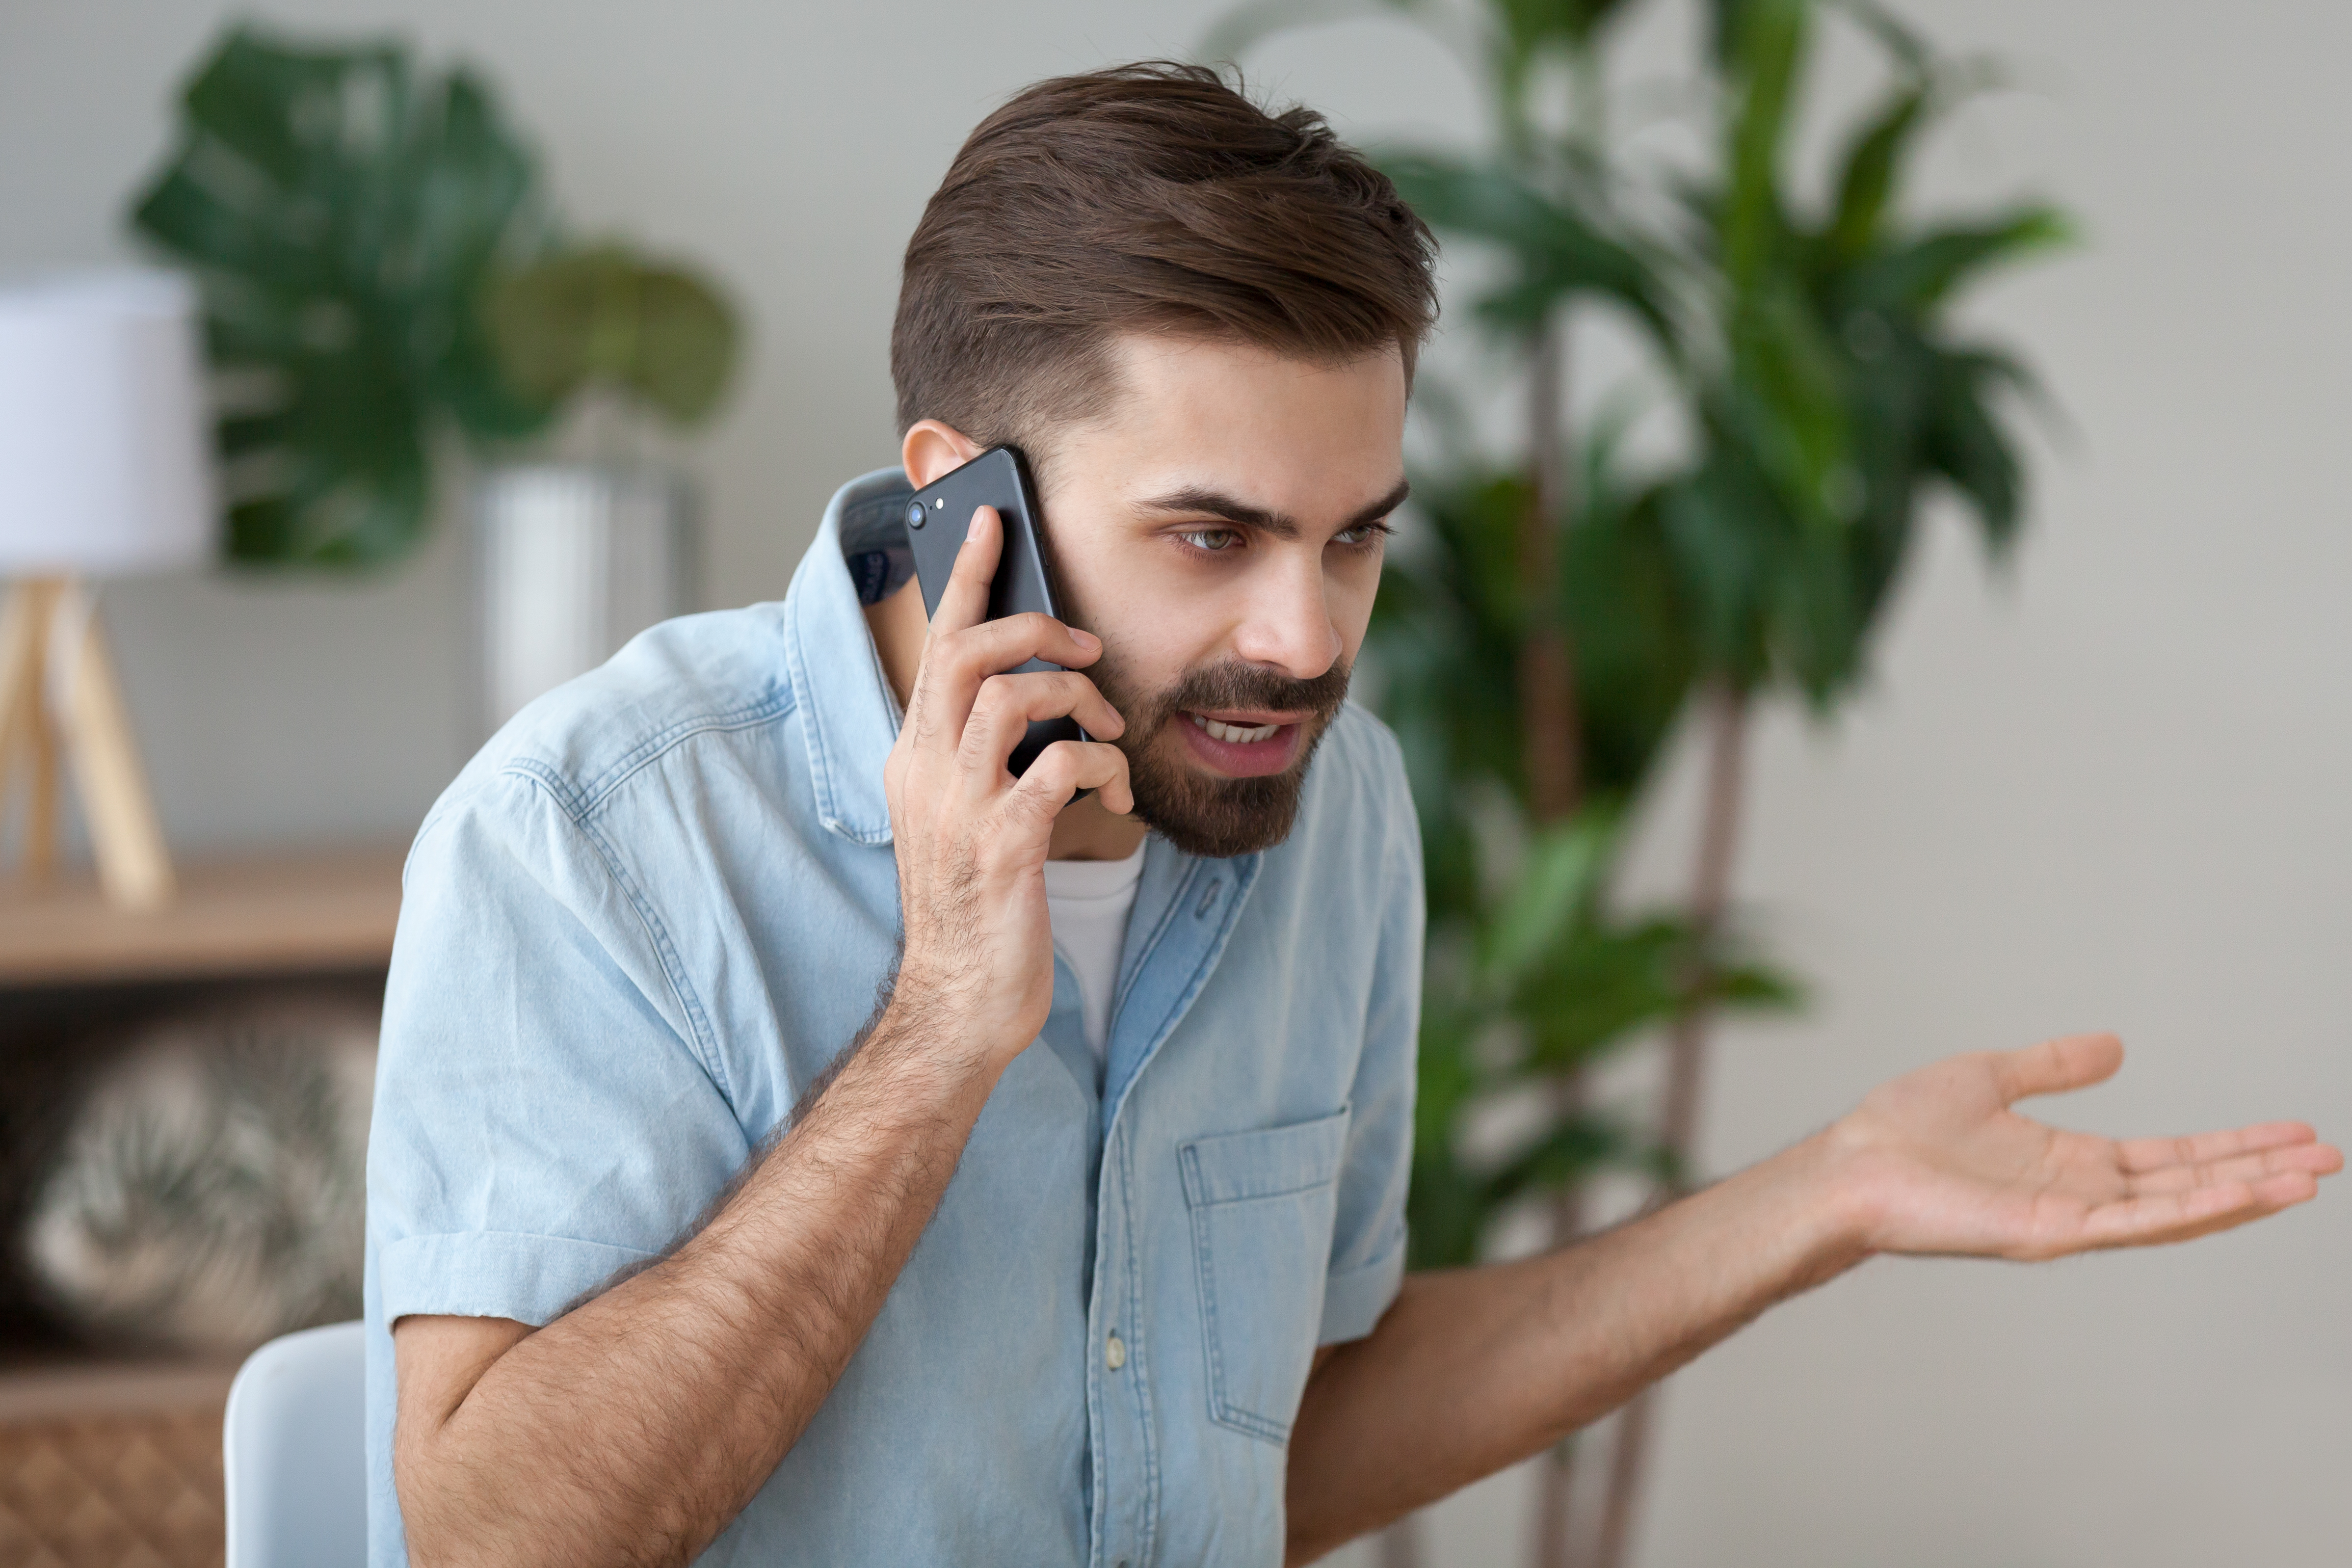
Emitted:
<point x="1244" y="745"/>
<point x="1236" y="734"/>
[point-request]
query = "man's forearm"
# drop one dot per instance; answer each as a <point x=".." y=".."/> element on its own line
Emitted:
<point x="633" y="1428"/>
<point x="1474" y="1368"/>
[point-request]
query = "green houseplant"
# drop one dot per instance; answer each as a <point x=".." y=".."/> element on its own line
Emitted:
<point x="341" y="212"/>
<point x="1835" y="395"/>
<point x="380" y="276"/>
<point x="378" y="272"/>
<point x="1555" y="621"/>
<point x="575" y="556"/>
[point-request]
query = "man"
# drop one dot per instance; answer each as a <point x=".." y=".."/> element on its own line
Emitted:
<point x="799" y="1141"/>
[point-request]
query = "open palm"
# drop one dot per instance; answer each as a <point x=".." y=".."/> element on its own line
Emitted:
<point x="1947" y="1167"/>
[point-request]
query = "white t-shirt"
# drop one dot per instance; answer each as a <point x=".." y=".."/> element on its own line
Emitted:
<point x="1090" y="901"/>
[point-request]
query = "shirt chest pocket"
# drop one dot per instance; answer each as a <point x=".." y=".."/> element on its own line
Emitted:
<point x="1263" y="1206"/>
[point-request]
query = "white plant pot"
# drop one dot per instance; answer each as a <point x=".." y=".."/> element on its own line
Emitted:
<point x="573" y="560"/>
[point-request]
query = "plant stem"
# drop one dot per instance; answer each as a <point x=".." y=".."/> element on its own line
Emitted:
<point x="1726" y="722"/>
<point x="1725" y="709"/>
<point x="1548" y="706"/>
<point x="1549" y="727"/>
<point x="1555" y="1540"/>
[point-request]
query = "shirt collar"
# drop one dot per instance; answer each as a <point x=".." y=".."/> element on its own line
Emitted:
<point x="851" y="713"/>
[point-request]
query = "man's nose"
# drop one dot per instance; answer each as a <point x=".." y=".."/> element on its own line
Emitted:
<point x="1288" y="622"/>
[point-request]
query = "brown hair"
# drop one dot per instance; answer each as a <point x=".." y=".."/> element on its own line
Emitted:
<point x="1155" y="198"/>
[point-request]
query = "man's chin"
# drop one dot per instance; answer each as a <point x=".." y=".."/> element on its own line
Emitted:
<point x="1206" y="811"/>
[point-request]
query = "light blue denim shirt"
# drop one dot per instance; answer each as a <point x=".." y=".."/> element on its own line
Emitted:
<point x="649" y="915"/>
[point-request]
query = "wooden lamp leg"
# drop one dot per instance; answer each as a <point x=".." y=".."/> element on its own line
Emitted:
<point x="51" y="653"/>
<point x="133" y="865"/>
<point x="25" y="736"/>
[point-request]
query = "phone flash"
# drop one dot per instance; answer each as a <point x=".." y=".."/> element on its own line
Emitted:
<point x="938" y="505"/>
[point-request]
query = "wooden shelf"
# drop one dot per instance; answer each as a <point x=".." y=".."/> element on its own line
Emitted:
<point x="288" y="915"/>
<point x="67" y="1387"/>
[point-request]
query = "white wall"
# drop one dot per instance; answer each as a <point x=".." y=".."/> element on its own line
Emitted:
<point x="2101" y="793"/>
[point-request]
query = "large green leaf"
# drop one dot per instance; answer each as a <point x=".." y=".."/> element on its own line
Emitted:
<point x="1867" y="176"/>
<point x="1962" y="439"/>
<point x="1768" y="46"/>
<point x="1557" y="250"/>
<point x="1560" y="873"/>
<point x="341" y="217"/>
<point x="603" y="314"/>
<point x="1629" y="622"/>
<point x="1923" y="271"/>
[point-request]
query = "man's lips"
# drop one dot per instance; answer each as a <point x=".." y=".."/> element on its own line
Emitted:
<point x="1242" y="744"/>
<point x="1250" y="718"/>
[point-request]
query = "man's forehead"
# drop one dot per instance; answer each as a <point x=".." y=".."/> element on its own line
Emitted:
<point x="1156" y="375"/>
<point x="1279" y="433"/>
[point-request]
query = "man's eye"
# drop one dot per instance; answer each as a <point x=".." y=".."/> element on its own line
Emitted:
<point x="1211" y="539"/>
<point x="1363" y="533"/>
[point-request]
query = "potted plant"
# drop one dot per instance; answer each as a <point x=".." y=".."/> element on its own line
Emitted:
<point x="381" y="284"/>
<point x="576" y="556"/>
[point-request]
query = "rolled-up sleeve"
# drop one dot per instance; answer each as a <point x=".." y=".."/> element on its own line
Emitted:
<point x="545" y="1117"/>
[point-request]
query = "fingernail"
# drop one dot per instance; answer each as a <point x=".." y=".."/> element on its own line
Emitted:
<point x="1086" y="640"/>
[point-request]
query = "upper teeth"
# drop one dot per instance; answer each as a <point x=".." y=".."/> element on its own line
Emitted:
<point x="1241" y="732"/>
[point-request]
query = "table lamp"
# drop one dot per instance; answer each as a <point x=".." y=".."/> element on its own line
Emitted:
<point x="105" y="470"/>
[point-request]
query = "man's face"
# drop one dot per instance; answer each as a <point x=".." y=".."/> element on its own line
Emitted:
<point x="1221" y="530"/>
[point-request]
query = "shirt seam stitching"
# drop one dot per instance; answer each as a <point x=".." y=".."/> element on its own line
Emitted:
<point x="705" y="1042"/>
<point x="580" y="801"/>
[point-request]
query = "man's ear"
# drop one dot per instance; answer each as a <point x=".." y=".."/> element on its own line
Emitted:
<point x="932" y="449"/>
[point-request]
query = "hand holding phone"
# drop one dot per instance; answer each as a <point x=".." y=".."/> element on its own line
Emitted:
<point x="937" y="520"/>
<point x="970" y="841"/>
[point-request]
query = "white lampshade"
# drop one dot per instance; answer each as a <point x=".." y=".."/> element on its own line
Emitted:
<point x="105" y="458"/>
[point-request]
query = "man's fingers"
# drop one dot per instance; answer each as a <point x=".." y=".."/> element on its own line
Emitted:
<point x="964" y="601"/>
<point x="2310" y="1158"/>
<point x="1006" y="706"/>
<point x="937" y="707"/>
<point x="956" y="664"/>
<point x="978" y="652"/>
<point x="2200" y="1211"/>
<point x="2054" y="1067"/>
<point x="1066" y="767"/>
<point x="2159" y="1153"/>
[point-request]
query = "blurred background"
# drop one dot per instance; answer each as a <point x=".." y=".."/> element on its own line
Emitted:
<point x="2091" y="781"/>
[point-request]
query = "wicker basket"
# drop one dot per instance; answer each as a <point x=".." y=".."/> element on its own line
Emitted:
<point x="123" y="1490"/>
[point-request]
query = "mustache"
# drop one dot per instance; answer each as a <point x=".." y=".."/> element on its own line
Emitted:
<point x="1254" y="686"/>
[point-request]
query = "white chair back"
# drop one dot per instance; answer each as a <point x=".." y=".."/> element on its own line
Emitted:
<point x="293" y="1452"/>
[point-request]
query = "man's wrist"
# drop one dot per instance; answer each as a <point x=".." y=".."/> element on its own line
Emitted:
<point x="1832" y="1224"/>
<point x="928" y="1019"/>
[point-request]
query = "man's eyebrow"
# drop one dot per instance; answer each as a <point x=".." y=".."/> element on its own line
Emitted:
<point x="1199" y="500"/>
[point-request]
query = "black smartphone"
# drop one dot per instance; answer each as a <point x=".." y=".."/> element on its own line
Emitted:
<point x="937" y="520"/>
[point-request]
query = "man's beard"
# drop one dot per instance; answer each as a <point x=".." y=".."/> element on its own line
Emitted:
<point x="1199" y="812"/>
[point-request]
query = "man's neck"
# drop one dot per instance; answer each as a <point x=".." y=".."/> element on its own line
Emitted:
<point x="1084" y="831"/>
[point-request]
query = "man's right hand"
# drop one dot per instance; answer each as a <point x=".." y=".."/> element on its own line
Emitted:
<point x="970" y="838"/>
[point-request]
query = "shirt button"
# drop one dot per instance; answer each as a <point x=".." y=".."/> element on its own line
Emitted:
<point x="1114" y="1351"/>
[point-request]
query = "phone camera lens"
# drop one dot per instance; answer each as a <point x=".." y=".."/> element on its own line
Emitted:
<point x="916" y="514"/>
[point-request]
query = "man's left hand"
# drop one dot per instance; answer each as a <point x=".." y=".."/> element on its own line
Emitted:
<point x="1939" y="1162"/>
